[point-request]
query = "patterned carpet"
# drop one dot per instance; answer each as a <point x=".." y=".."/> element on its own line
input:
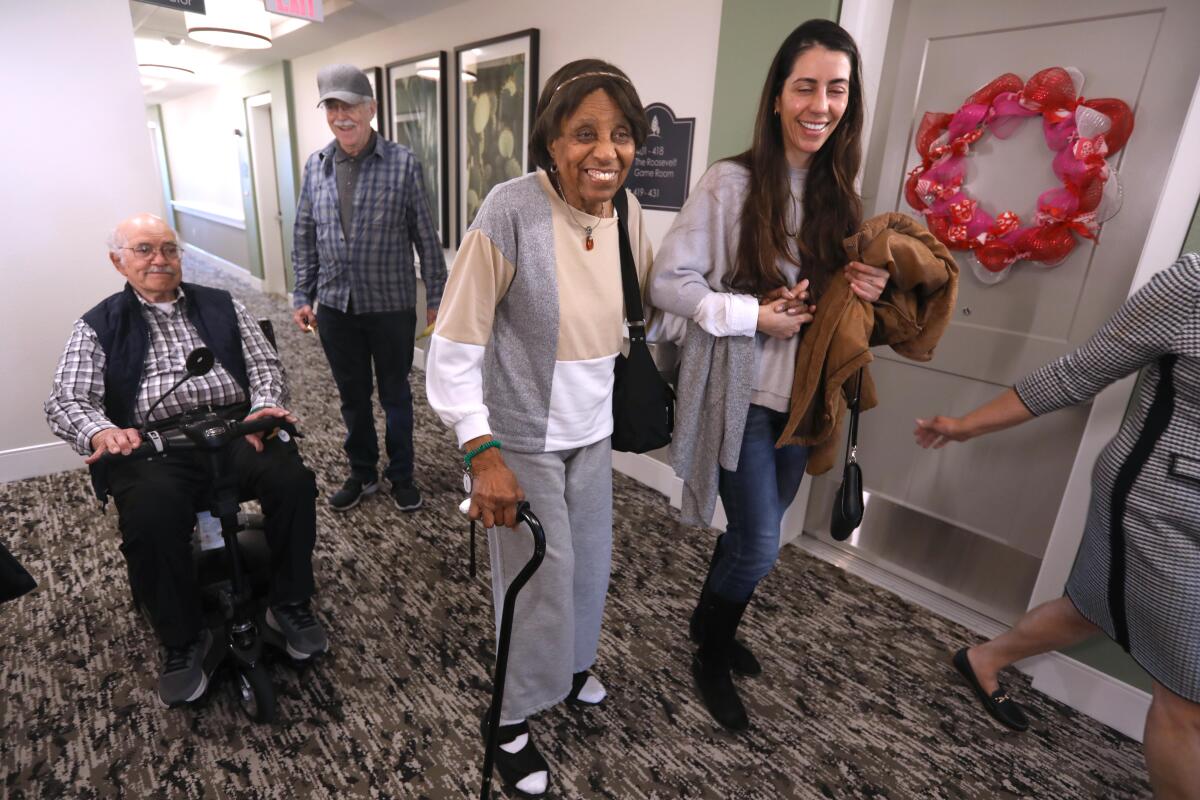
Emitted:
<point x="857" y="700"/>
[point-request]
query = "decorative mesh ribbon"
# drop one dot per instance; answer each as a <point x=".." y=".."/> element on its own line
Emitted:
<point x="1081" y="134"/>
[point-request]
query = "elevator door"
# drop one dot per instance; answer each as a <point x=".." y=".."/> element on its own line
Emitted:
<point x="972" y="521"/>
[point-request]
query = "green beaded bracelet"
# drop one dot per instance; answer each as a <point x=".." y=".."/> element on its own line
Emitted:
<point x="486" y="445"/>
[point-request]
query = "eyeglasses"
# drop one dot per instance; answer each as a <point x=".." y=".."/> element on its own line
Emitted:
<point x="145" y="251"/>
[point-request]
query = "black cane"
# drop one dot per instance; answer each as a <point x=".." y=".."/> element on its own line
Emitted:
<point x="506" y="619"/>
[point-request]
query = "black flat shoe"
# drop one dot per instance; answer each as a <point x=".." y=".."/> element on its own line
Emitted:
<point x="1003" y="708"/>
<point x="516" y="767"/>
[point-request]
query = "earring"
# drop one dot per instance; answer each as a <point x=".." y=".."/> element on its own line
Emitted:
<point x="553" y="168"/>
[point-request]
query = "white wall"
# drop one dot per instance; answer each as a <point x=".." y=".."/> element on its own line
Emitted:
<point x="667" y="47"/>
<point x="78" y="162"/>
<point x="202" y="149"/>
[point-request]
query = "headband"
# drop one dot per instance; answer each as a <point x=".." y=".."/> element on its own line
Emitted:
<point x="589" y="75"/>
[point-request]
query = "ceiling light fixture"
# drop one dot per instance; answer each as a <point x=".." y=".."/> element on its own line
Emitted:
<point x="241" y="24"/>
<point x="164" y="71"/>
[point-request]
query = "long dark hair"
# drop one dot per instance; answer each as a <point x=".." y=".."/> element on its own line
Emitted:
<point x="832" y="209"/>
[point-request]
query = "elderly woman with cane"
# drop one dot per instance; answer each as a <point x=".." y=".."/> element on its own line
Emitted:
<point x="521" y="367"/>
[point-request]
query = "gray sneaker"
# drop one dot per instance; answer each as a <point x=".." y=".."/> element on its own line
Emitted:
<point x="352" y="491"/>
<point x="182" y="678"/>
<point x="303" y="634"/>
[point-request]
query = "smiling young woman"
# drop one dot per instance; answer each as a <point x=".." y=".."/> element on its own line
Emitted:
<point x="758" y="241"/>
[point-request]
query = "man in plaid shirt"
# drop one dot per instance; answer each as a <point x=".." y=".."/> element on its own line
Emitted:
<point x="362" y="210"/>
<point x="122" y="356"/>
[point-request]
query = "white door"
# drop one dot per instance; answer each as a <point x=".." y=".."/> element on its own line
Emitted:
<point x="266" y="192"/>
<point x="972" y="522"/>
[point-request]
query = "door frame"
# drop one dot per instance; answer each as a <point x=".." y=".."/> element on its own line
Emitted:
<point x="262" y="227"/>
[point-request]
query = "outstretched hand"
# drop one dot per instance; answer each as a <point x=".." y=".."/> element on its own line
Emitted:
<point x="937" y="432"/>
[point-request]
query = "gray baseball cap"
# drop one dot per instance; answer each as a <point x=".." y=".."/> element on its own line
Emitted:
<point x="343" y="82"/>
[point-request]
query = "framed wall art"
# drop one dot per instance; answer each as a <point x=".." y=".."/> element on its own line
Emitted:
<point x="496" y="90"/>
<point x="416" y="90"/>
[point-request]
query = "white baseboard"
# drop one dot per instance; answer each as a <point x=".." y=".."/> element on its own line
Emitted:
<point x="239" y="273"/>
<point x="1103" y="698"/>
<point x="650" y="472"/>
<point x="39" y="459"/>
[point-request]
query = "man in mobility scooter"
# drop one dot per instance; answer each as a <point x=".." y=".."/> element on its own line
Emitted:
<point x="111" y="390"/>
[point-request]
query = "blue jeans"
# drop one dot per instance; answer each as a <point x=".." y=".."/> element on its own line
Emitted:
<point x="755" y="497"/>
<point x="353" y="344"/>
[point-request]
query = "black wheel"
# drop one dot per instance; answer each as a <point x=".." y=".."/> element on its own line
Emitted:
<point x="254" y="693"/>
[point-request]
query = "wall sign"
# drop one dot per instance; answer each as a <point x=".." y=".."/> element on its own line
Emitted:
<point x="194" y="6"/>
<point x="311" y="10"/>
<point x="662" y="167"/>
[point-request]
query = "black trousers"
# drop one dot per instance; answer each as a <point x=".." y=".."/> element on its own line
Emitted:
<point x="156" y="500"/>
<point x="353" y="343"/>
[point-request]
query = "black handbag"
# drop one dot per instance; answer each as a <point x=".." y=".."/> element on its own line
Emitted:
<point x="14" y="579"/>
<point x="643" y="403"/>
<point x="848" y="502"/>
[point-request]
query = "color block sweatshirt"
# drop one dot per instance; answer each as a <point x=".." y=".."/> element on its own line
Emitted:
<point x="531" y="321"/>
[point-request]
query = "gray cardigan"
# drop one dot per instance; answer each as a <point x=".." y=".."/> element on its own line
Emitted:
<point x="716" y="373"/>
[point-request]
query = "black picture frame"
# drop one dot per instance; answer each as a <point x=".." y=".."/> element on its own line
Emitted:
<point x="484" y="157"/>
<point x="436" y="165"/>
<point x="375" y="77"/>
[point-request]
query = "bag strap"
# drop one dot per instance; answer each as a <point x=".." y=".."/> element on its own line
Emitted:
<point x="634" y="317"/>
<point x="852" y="437"/>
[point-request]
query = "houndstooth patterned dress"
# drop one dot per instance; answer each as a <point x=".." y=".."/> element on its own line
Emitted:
<point x="1137" y="574"/>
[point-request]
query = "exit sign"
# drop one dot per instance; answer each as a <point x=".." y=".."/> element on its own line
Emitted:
<point x="304" y="9"/>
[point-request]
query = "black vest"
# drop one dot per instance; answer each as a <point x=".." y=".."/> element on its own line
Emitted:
<point x="125" y="338"/>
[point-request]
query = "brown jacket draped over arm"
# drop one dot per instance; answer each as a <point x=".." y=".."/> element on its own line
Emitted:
<point x="910" y="316"/>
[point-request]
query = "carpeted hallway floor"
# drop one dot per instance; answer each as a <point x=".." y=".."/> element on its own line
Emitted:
<point x="857" y="700"/>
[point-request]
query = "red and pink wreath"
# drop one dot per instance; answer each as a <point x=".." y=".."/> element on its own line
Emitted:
<point x="1081" y="133"/>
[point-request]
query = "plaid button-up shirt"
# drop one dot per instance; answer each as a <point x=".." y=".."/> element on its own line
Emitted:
<point x="373" y="266"/>
<point x="75" y="408"/>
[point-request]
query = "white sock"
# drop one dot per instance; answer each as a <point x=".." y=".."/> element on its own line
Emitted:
<point x="517" y="744"/>
<point x="593" y="691"/>
<point x="536" y="782"/>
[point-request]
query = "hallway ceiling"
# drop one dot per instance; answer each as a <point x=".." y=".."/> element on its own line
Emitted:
<point x="155" y="27"/>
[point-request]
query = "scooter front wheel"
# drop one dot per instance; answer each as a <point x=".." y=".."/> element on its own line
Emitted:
<point x="255" y="694"/>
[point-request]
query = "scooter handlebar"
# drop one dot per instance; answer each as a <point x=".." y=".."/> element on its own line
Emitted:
<point x="155" y="443"/>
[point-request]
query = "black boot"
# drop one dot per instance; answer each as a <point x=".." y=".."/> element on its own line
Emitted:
<point x="711" y="664"/>
<point x="741" y="660"/>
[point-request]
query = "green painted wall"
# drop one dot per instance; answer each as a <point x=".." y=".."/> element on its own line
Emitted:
<point x="751" y="32"/>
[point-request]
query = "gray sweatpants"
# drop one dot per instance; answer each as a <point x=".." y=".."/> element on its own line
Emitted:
<point x="556" y="625"/>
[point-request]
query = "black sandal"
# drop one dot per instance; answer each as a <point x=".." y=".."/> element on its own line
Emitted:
<point x="516" y="767"/>
<point x="1003" y="708"/>
<point x="577" y="682"/>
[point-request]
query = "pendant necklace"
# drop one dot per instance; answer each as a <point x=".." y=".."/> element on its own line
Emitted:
<point x="588" y="242"/>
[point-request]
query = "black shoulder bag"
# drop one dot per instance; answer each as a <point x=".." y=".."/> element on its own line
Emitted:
<point x="643" y="403"/>
<point x="848" y="502"/>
